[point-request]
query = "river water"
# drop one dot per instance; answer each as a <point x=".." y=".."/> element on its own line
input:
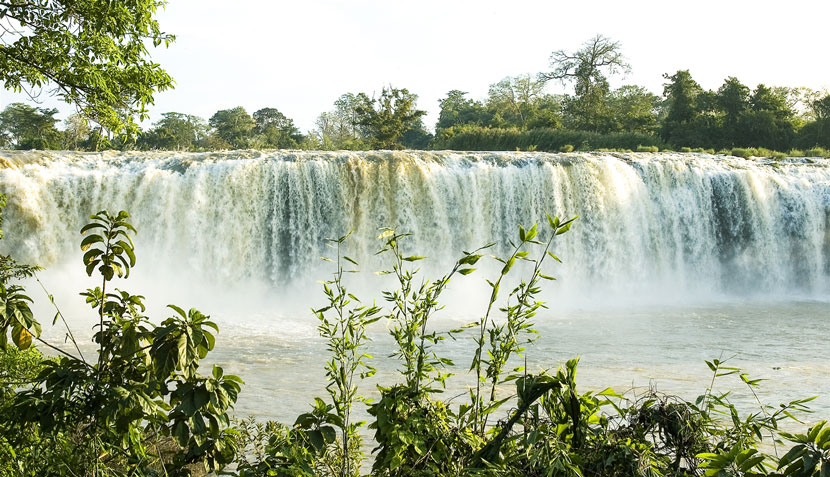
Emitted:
<point x="675" y="258"/>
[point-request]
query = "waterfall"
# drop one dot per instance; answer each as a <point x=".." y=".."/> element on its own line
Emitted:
<point x="691" y="221"/>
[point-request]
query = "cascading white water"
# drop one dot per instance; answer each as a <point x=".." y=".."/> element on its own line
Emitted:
<point x="688" y="221"/>
<point x="654" y="231"/>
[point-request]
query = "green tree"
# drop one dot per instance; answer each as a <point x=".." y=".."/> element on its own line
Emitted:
<point x="521" y="102"/>
<point x="417" y="137"/>
<point x="75" y="131"/>
<point x="457" y="110"/>
<point x="233" y="126"/>
<point x="175" y="131"/>
<point x="682" y="94"/>
<point x="388" y="117"/>
<point x="26" y="127"/>
<point x="733" y="102"/>
<point x="821" y="107"/>
<point x="587" y="69"/>
<point x="339" y="128"/>
<point x="769" y="120"/>
<point x="275" y="130"/>
<point x="633" y="108"/>
<point x="816" y="133"/>
<point x="90" y="53"/>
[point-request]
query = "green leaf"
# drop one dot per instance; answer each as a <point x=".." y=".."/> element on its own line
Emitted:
<point x="88" y="241"/>
<point x="21" y="337"/>
<point x="531" y="233"/>
<point x="128" y="249"/>
<point x="554" y="256"/>
<point x="349" y="260"/>
<point x="413" y="258"/>
<point x="93" y="225"/>
<point x="469" y="259"/>
<point x="466" y="271"/>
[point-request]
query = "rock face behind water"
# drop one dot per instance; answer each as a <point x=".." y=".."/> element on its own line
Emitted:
<point x="694" y="220"/>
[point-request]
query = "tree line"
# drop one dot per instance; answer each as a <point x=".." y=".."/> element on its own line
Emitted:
<point x="517" y="111"/>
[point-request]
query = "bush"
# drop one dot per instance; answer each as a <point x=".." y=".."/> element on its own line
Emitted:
<point x="685" y="149"/>
<point x="566" y="148"/>
<point x="641" y="148"/>
<point x="478" y="138"/>
<point x="709" y="151"/>
<point x="741" y="152"/>
<point x="816" y="152"/>
<point x="140" y="406"/>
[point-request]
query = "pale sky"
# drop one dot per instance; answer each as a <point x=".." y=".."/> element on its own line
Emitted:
<point x="299" y="56"/>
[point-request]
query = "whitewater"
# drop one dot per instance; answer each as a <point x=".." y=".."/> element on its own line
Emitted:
<point x="674" y="257"/>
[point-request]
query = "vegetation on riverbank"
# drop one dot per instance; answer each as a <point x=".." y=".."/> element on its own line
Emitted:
<point x="518" y="114"/>
<point x="142" y="408"/>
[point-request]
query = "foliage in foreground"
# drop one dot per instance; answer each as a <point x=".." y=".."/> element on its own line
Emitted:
<point x="545" y="427"/>
<point x="141" y="408"/>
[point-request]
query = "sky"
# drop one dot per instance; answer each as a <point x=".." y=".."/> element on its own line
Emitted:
<point x="300" y="56"/>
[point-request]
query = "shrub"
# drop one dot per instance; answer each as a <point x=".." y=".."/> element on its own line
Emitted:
<point x="741" y="152"/>
<point x="641" y="148"/>
<point x="566" y="148"/>
<point x="478" y="138"/>
<point x="709" y="151"/>
<point x="141" y="401"/>
<point x="816" y="152"/>
<point x="685" y="149"/>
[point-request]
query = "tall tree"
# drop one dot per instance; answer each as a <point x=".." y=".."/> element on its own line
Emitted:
<point x="457" y="109"/>
<point x="339" y="128"/>
<point x="90" y="53"/>
<point x="733" y="100"/>
<point x="388" y="117"/>
<point x="26" y="127"/>
<point x="681" y="94"/>
<point x="768" y="122"/>
<point x="633" y="108"/>
<point x="521" y="102"/>
<point x="276" y="130"/>
<point x="233" y="126"/>
<point x="587" y="69"/>
<point x="817" y="133"/>
<point x="75" y="131"/>
<point x="175" y="131"/>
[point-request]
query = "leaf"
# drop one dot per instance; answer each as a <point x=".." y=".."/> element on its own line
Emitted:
<point x="413" y="258"/>
<point x="349" y="260"/>
<point x="469" y="259"/>
<point x="531" y="233"/>
<point x="21" y="337"/>
<point x="88" y="241"/>
<point x="93" y="225"/>
<point x="386" y="233"/>
<point x="554" y="256"/>
<point x="564" y="228"/>
<point x="128" y="249"/>
<point x="466" y="271"/>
